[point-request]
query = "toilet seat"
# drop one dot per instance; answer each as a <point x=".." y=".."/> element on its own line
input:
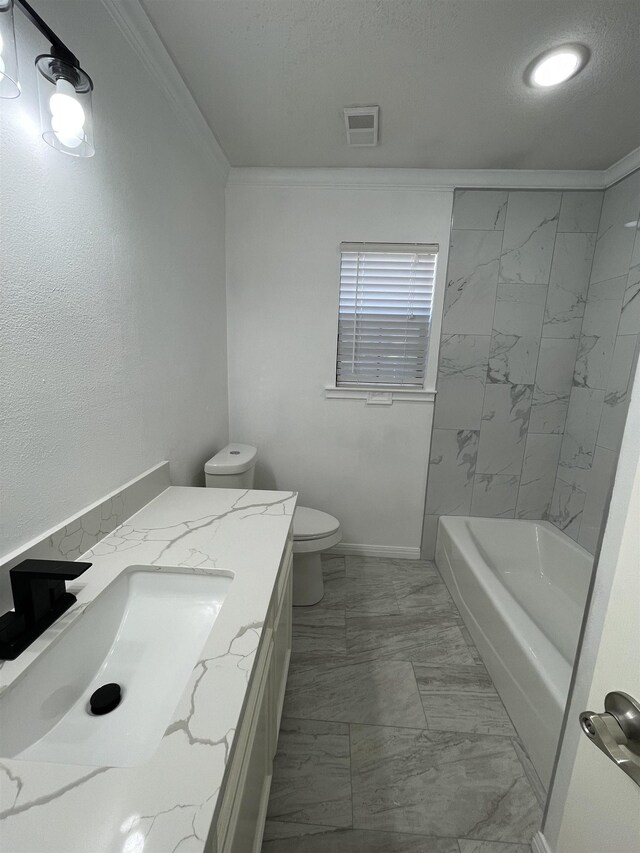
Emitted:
<point x="314" y="530"/>
<point x="313" y="524"/>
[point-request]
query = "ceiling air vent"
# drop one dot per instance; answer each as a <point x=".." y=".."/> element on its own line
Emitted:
<point x="362" y="125"/>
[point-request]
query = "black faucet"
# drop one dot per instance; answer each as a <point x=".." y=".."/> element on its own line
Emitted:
<point x="39" y="598"/>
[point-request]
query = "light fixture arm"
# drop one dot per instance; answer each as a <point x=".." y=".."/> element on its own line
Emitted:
<point x="58" y="47"/>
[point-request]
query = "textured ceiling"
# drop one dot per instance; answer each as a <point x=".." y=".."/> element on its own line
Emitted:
<point x="271" y="78"/>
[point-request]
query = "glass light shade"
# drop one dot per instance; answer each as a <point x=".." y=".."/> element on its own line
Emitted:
<point x="66" y="117"/>
<point x="9" y="86"/>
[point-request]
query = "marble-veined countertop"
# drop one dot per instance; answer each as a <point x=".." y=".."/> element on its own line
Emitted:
<point x="167" y="804"/>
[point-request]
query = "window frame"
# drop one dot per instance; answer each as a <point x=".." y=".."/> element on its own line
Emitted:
<point x="382" y="393"/>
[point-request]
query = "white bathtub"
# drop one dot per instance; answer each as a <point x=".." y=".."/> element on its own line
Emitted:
<point x="521" y="588"/>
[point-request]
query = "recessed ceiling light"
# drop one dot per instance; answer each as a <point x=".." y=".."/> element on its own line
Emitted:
<point x="556" y="66"/>
<point x="633" y="224"/>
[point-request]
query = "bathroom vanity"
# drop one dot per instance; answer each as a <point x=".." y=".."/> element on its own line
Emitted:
<point x="189" y="768"/>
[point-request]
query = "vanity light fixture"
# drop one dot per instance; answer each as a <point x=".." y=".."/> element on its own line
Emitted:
<point x="556" y="66"/>
<point x="64" y="89"/>
<point x="9" y="86"/>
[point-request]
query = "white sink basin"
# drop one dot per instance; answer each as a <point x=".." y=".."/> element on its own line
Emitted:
<point x="144" y="632"/>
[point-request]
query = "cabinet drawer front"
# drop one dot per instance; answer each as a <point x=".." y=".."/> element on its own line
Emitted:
<point x="244" y="736"/>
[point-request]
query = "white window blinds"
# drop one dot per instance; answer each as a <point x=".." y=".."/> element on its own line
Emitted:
<point x="386" y="295"/>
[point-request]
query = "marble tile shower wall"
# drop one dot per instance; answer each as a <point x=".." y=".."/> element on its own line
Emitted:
<point x="517" y="286"/>
<point x="606" y="356"/>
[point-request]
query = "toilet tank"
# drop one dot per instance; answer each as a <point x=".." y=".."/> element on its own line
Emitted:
<point x="233" y="467"/>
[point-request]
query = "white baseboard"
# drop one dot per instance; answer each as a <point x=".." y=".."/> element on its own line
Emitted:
<point x="394" y="552"/>
<point x="539" y="844"/>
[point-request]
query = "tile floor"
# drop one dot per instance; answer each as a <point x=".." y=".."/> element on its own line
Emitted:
<point x="393" y="738"/>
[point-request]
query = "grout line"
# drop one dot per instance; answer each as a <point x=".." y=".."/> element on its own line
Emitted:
<point x="351" y="771"/>
<point x="368" y="725"/>
<point x="376" y="831"/>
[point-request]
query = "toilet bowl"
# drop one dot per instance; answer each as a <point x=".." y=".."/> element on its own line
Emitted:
<point x="313" y="532"/>
<point x="233" y="467"/>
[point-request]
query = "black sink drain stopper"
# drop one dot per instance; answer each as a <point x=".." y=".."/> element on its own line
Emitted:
<point x="105" y="699"/>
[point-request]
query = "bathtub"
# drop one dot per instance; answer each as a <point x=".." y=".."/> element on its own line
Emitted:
<point x="521" y="588"/>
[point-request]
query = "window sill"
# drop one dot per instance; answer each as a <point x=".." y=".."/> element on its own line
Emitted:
<point x="379" y="396"/>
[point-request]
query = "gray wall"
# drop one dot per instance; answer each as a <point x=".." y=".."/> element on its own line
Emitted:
<point x="112" y="289"/>
<point x="606" y="355"/>
<point x="517" y="283"/>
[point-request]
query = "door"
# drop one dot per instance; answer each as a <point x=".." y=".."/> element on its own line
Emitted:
<point x="594" y="807"/>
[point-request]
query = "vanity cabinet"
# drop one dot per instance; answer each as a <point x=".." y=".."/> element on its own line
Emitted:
<point x="239" y="825"/>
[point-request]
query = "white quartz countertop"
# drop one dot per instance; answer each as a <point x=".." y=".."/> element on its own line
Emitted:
<point x="166" y="805"/>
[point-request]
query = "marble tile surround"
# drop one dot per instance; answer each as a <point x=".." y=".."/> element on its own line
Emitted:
<point x="604" y="369"/>
<point x="542" y="302"/>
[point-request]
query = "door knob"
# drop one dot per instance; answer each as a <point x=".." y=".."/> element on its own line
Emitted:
<point x="617" y="731"/>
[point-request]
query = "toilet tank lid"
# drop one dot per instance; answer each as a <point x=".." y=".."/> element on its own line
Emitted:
<point x="232" y="459"/>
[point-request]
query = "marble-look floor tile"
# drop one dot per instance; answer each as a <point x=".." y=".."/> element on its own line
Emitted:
<point x="335" y="593"/>
<point x="451" y="468"/>
<point x="378" y="692"/>
<point x="461" y="699"/>
<point x="529" y="236"/>
<point x="538" y="475"/>
<point x="568" y="285"/>
<point x="530" y="772"/>
<point x="471" y="845"/>
<point x="311" y="774"/>
<point x="308" y="838"/>
<point x="480" y="209"/>
<point x="554" y="380"/>
<point x="371" y="595"/>
<point x="567" y="505"/>
<point x="318" y="634"/>
<point x="580" y="211"/>
<point x="580" y="436"/>
<point x="505" y="421"/>
<point x="385" y="567"/>
<point x="335" y="597"/>
<point x="441" y="783"/>
<point x="495" y="495"/>
<point x="419" y="590"/>
<point x="472" y="280"/>
<point x="462" y="373"/>
<point x="420" y="636"/>
<point x="333" y="566"/>
<point x="517" y="327"/>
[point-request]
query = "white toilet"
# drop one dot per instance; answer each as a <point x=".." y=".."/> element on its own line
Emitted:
<point x="233" y="467"/>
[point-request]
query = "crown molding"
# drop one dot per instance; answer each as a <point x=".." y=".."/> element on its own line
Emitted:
<point x="623" y="167"/>
<point x="415" y="179"/>
<point x="435" y="179"/>
<point x="134" y="24"/>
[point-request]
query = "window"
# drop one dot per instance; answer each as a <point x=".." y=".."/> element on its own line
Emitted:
<point x="386" y="295"/>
